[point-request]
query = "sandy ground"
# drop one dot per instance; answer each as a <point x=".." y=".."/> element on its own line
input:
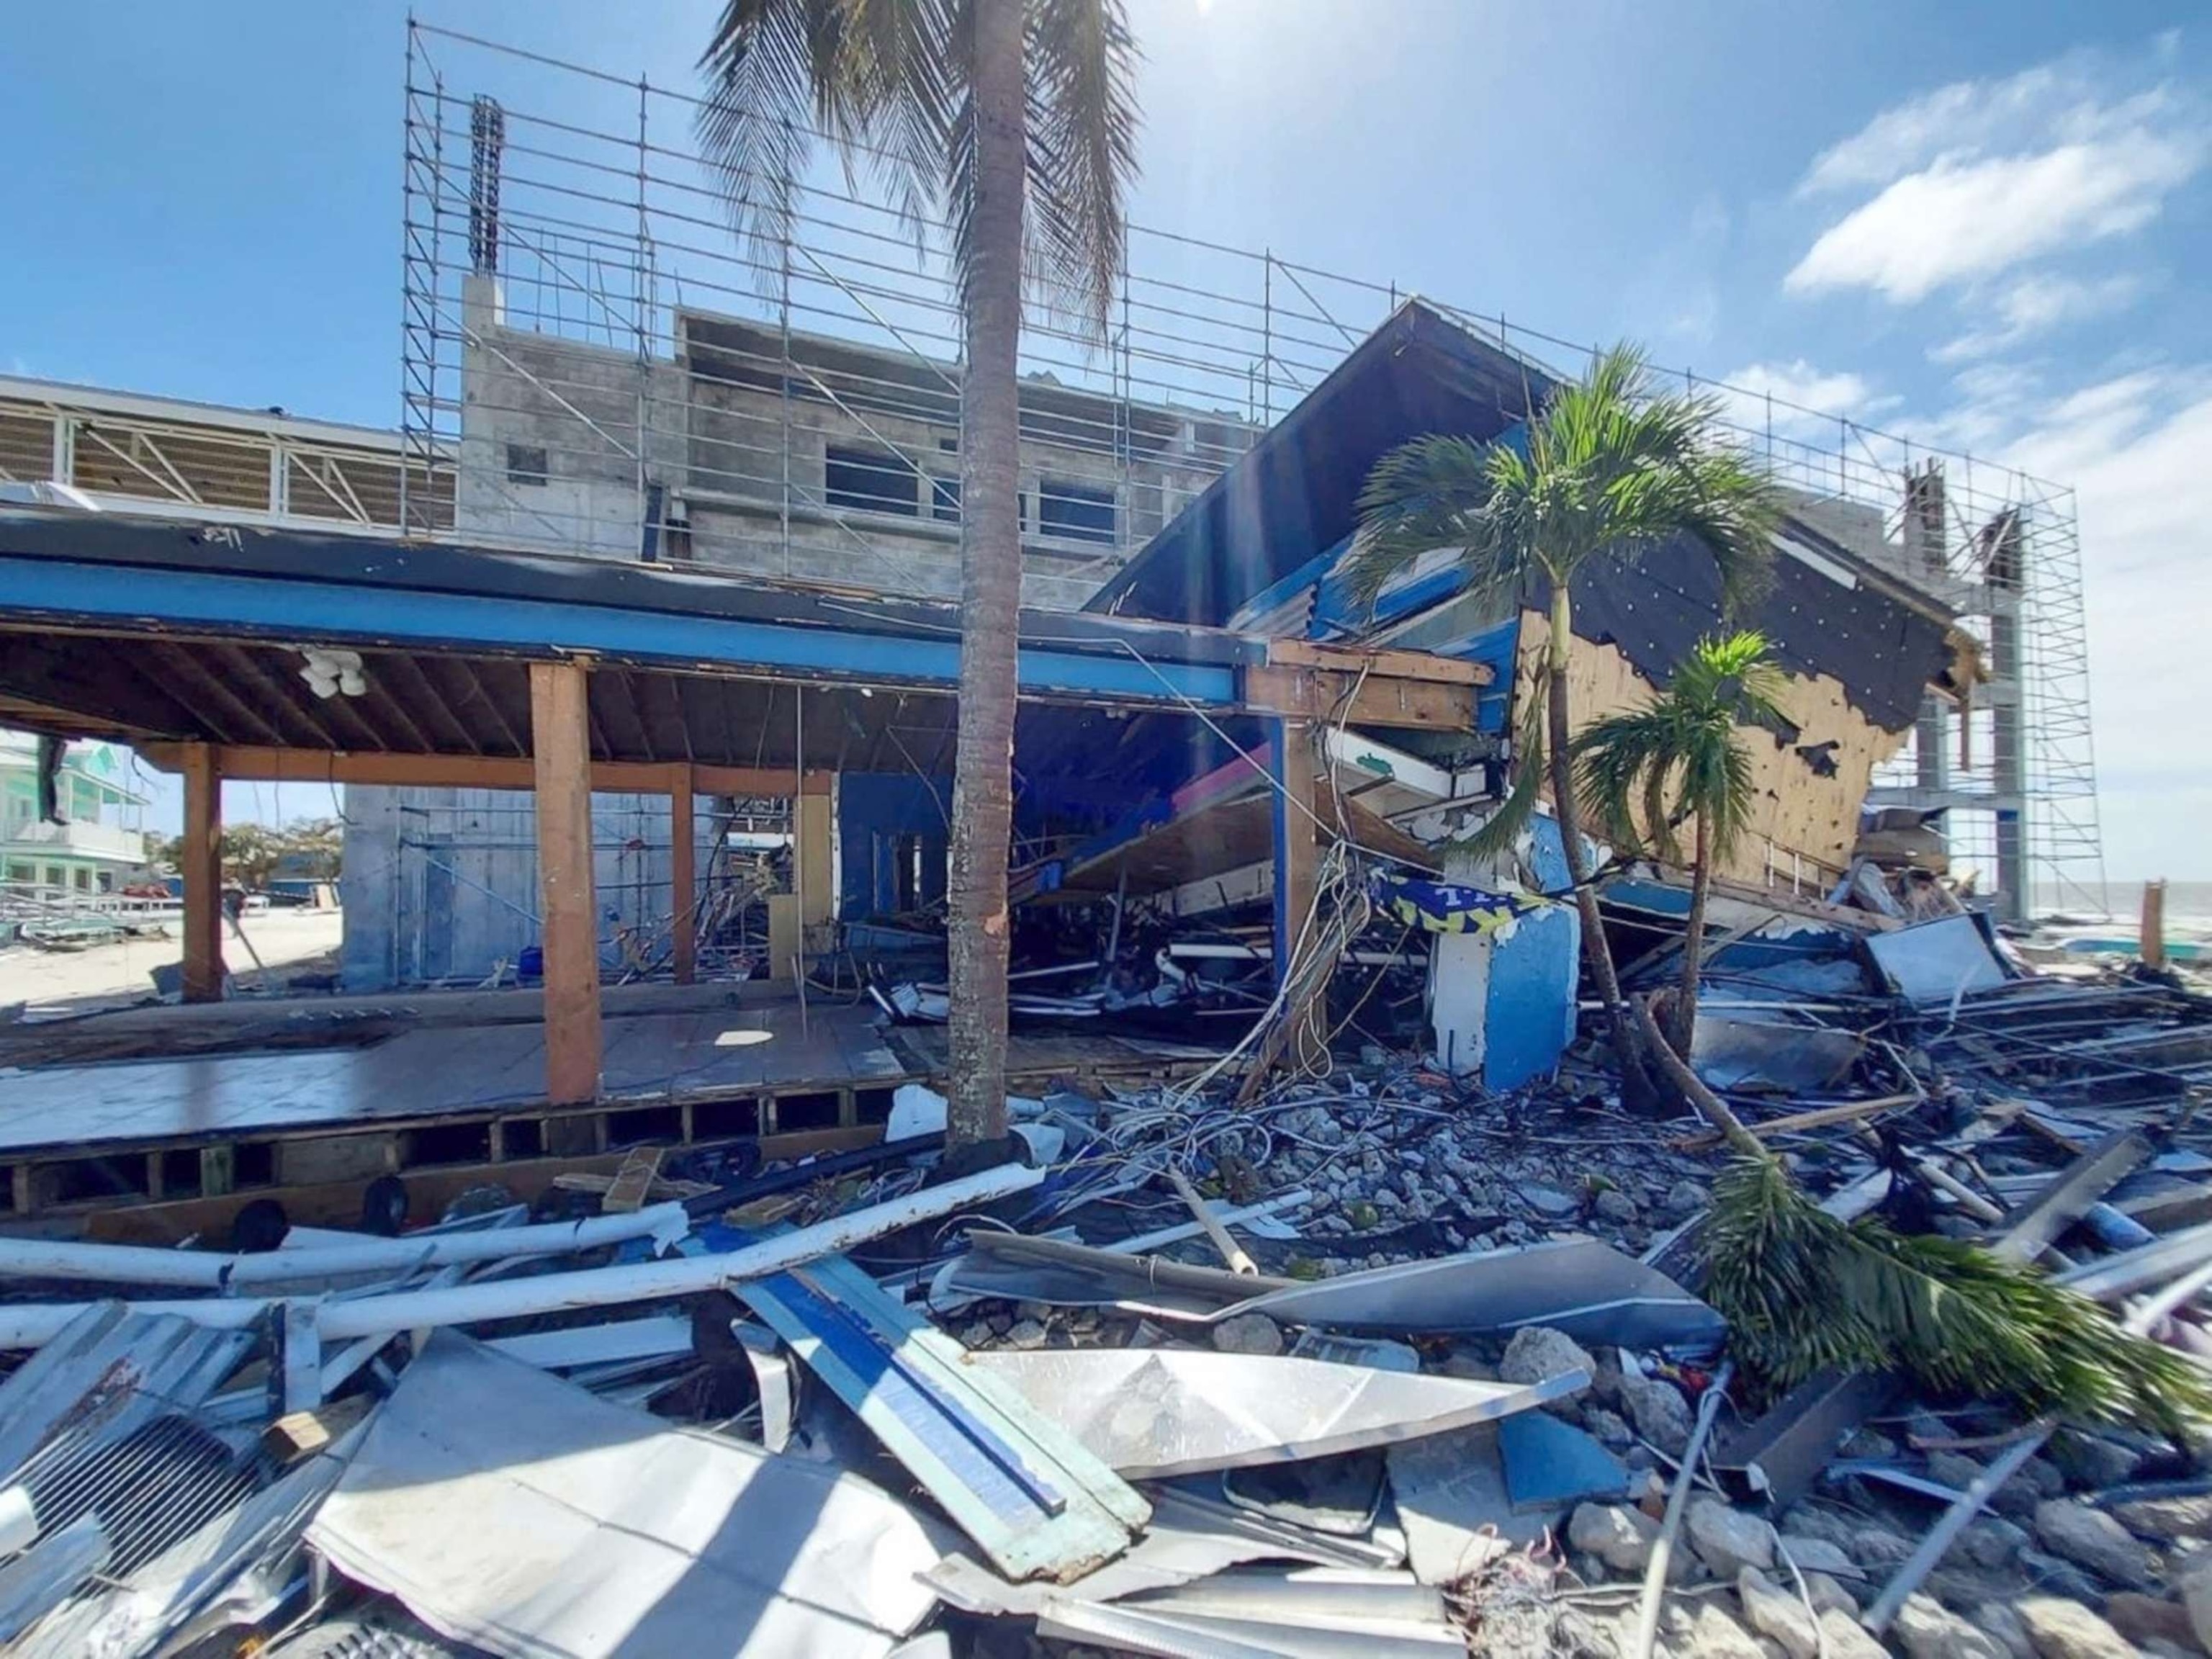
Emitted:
<point x="120" y="972"/>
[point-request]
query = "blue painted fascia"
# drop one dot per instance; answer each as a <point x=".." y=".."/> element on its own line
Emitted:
<point x="293" y="610"/>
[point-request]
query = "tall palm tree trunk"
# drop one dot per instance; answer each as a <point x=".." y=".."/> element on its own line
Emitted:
<point x="1693" y="942"/>
<point x="1626" y="1047"/>
<point x="990" y="588"/>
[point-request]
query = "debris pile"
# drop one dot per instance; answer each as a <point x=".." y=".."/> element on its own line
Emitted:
<point x="1367" y="1357"/>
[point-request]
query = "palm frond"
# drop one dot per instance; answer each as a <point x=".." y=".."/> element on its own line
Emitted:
<point x="1083" y="122"/>
<point x="1440" y="491"/>
<point x="1803" y="1291"/>
<point x="1624" y="758"/>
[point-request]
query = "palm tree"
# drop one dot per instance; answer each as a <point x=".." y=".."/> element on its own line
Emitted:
<point x="1612" y="471"/>
<point x="1016" y="120"/>
<point x="1683" y="744"/>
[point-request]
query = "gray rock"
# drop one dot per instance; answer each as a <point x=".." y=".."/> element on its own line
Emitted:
<point x="2092" y="1539"/>
<point x="1026" y="1334"/>
<point x="1811" y="1521"/>
<point x="1550" y="1202"/>
<point x="1846" y="1638"/>
<point x="1997" y="1619"/>
<point x="2093" y="1461"/>
<point x="2045" y="1476"/>
<point x="2053" y="1576"/>
<point x="1990" y="1542"/>
<point x="1685" y="1198"/>
<point x="1660" y="1414"/>
<point x="2066" y="1630"/>
<point x="1777" y="1614"/>
<point x="1955" y="1469"/>
<point x="1610" y="1428"/>
<point x="1820" y="1555"/>
<point x="1829" y="1592"/>
<point x="1537" y="1352"/>
<point x="2166" y="1517"/>
<point x="1879" y="1550"/>
<point x="2155" y="1648"/>
<point x="1926" y="1629"/>
<point x="2195" y="1587"/>
<point x="1251" y="1333"/>
<point x="1704" y="1630"/>
<point x="2144" y="1619"/>
<point x="1618" y="1535"/>
<point x="1617" y="1206"/>
<point x="1868" y="1443"/>
<point x="1728" y="1540"/>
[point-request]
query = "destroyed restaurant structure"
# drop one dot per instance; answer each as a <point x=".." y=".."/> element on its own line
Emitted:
<point x="579" y="1278"/>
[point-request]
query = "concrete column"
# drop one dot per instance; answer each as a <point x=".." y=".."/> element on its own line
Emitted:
<point x="202" y="875"/>
<point x="561" y="755"/>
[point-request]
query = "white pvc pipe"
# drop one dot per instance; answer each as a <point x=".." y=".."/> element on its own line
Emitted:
<point x="30" y="1325"/>
<point x="138" y="1264"/>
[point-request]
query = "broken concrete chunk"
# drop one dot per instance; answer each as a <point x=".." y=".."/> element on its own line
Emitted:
<point x="1251" y="1333"/>
<point x="2090" y="1538"/>
<point x="1926" y="1629"/>
<point x="1704" y="1631"/>
<point x="1537" y="1352"/>
<point x="1618" y="1536"/>
<point x="1777" y="1614"/>
<point x="2197" y="1598"/>
<point x="1729" y="1540"/>
<point x="2066" y="1630"/>
<point x="1658" y="1412"/>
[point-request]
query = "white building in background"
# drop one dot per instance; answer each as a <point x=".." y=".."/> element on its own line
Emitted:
<point x="99" y="846"/>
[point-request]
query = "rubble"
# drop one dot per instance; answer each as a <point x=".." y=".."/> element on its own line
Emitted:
<point x="1375" y="1351"/>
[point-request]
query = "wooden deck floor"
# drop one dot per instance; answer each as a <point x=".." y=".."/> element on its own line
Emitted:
<point x="442" y="1092"/>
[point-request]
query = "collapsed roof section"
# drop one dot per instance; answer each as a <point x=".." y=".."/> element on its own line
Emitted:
<point x="1259" y="550"/>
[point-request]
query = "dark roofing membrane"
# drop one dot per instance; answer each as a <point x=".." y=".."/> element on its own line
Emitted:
<point x="1294" y="496"/>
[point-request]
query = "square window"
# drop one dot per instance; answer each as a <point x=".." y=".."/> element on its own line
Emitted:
<point x="874" y="480"/>
<point x="525" y="463"/>
<point x="1075" y="511"/>
<point x="944" y="499"/>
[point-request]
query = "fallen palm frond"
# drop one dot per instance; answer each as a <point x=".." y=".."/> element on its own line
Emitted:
<point x="1802" y="1291"/>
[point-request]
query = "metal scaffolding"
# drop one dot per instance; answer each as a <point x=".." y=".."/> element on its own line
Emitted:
<point x="591" y="362"/>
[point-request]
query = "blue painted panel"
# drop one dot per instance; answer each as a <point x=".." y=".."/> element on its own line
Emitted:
<point x="537" y="628"/>
<point x="874" y="810"/>
<point x="1548" y="854"/>
<point x="1528" y="1013"/>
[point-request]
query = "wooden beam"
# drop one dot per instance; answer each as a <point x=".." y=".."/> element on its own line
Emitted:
<point x="202" y="874"/>
<point x="271" y="765"/>
<point x="560" y="743"/>
<point x="683" y="878"/>
<point x="1391" y="664"/>
<point x="1331" y="696"/>
<point x="1297" y="857"/>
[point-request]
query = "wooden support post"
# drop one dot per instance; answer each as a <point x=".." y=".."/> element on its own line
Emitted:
<point x="1291" y="763"/>
<point x="683" y="878"/>
<point x="202" y="875"/>
<point x="561" y="757"/>
<point x="812" y="878"/>
<point x="2151" y="935"/>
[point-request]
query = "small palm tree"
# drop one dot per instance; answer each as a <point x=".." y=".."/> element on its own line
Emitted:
<point x="1016" y="120"/>
<point x="1612" y="472"/>
<point x="1679" y="758"/>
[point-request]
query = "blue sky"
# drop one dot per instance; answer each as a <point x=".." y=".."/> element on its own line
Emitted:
<point x="1983" y="225"/>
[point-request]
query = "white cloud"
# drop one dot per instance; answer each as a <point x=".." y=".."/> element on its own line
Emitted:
<point x="1793" y="398"/>
<point x="1962" y="184"/>
<point x="2035" y="305"/>
<point x="1963" y="115"/>
<point x="1958" y="222"/>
